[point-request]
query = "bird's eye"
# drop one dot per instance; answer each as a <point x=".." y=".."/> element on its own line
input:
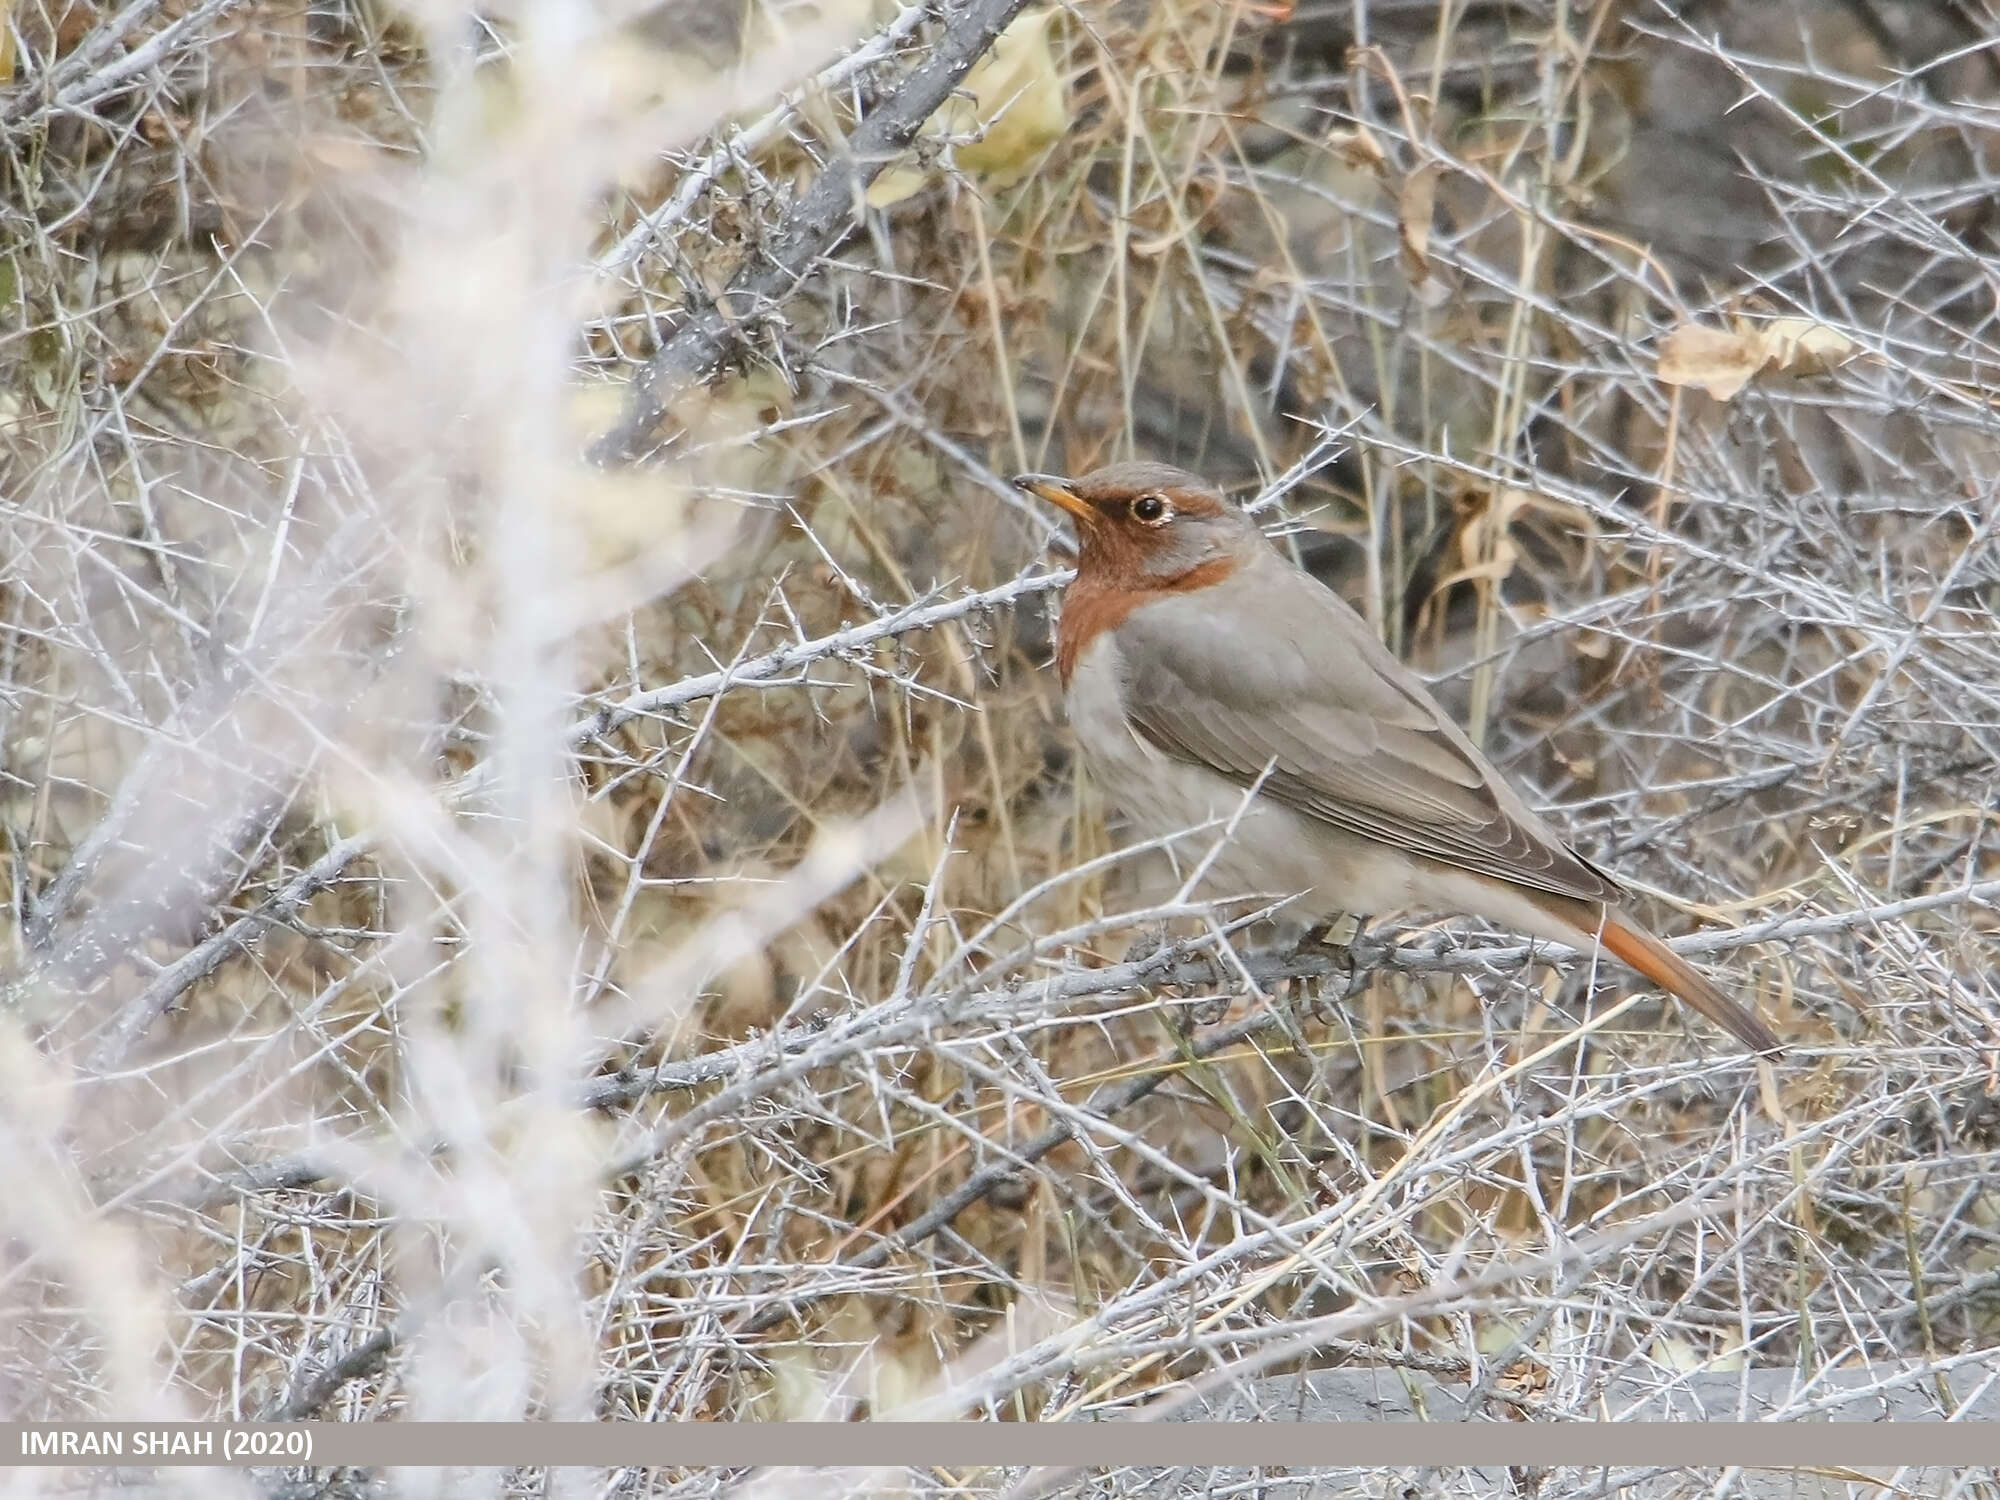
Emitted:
<point x="1152" y="510"/>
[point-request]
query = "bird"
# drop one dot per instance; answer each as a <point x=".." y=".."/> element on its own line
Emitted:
<point x="1207" y="678"/>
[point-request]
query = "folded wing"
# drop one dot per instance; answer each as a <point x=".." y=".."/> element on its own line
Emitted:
<point x="1336" y="727"/>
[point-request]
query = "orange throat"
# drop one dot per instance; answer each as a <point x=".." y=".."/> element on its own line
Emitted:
<point x="1096" y="603"/>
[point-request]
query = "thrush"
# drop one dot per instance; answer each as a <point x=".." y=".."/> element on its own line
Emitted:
<point x="1201" y="668"/>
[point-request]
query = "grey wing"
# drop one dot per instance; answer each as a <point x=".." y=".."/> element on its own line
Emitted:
<point x="1346" y="733"/>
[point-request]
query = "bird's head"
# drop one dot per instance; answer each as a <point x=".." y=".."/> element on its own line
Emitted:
<point x="1144" y="525"/>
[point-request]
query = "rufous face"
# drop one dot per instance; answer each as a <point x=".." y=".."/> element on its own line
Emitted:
<point x="1143" y="523"/>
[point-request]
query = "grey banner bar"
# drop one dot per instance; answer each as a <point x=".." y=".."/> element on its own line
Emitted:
<point x="1008" y="1445"/>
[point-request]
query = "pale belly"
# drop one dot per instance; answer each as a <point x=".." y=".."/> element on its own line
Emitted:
<point x="1235" y="845"/>
<point x="1241" y="845"/>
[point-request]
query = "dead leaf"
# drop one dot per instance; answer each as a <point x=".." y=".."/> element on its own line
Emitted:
<point x="1358" y="148"/>
<point x="1724" y="360"/>
<point x="1804" y="347"/>
<point x="895" y="184"/>
<point x="1021" y="103"/>
<point x="1416" y="207"/>
<point x="1721" y="362"/>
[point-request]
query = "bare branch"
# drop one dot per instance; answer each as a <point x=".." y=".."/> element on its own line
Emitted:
<point x="816" y="223"/>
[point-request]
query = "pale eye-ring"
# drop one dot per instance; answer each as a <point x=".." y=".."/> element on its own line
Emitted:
<point x="1152" y="510"/>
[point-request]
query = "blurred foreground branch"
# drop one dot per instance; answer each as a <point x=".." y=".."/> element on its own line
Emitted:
<point x="171" y="982"/>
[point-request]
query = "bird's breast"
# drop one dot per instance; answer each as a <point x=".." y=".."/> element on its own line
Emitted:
<point x="1270" y="850"/>
<point x="1095" y="699"/>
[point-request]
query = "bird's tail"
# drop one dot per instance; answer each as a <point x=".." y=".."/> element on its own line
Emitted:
<point x="1637" y="948"/>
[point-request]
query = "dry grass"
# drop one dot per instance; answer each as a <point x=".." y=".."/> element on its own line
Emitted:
<point x="494" y="934"/>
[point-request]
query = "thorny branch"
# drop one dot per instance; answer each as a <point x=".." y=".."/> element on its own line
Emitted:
<point x="1745" y="646"/>
<point x="824" y="215"/>
<point x="759" y="1067"/>
<point x="740" y="144"/>
<point x="781" y="663"/>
